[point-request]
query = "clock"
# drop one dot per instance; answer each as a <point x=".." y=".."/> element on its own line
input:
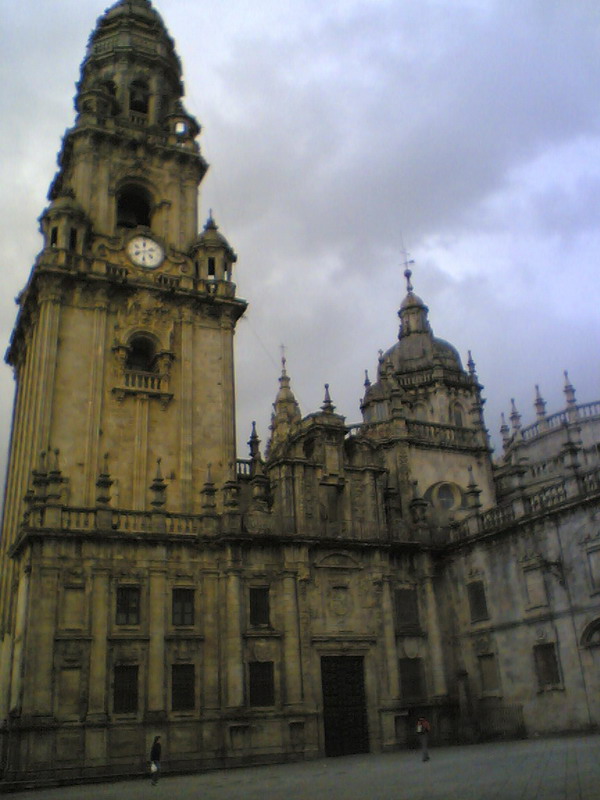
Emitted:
<point x="145" y="252"/>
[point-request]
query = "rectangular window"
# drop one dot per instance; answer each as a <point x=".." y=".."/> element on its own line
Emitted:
<point x="261" y="683"/>
<point x="546" y="665"/>
<point x="211" y="267"/>
<point x="183" y="692"/>
<point x="407" y="610"/>
<point x="183" y="606"/>
<point x="488" y="672"/>
<point x="477" y="601"/>
<point x="125" y="689"/>
<point x="73" y="239"/>
<point x="594" y="564"/>
<point x="259" y="606"/>
<point x="128" y="605"/>
<point x="332" y="497"/>
<point x="53" y="237"/>
<point x="412" y="682"/>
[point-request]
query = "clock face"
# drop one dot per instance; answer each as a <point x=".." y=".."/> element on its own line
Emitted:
<point x="144" y="252"/>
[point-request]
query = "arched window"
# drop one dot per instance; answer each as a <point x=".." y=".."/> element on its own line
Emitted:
<point x="139" y="97"/>
<point x="110" y="88"/>
<point x="456" y="415"/>
<point x="141" y="356"/>
<point x="591" y="635"/>
<point x="133" y="207"/>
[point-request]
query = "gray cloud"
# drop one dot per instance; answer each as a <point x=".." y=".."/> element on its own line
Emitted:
<point x="336" y="133"/>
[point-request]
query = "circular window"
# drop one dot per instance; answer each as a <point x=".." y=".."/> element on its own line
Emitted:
<point x="445" y="496"/>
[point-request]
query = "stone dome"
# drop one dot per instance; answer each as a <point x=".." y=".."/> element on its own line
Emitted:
<point x="212" y="238"/>
<point x="65" y="205"/>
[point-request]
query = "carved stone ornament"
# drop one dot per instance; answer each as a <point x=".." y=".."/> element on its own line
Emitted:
<point x="339" y="600"/>
<point x="263" y="650"/>
<point x="185" y="649"/>
<point x="482" y="644"/>
<point x="412" y="647"/>
<point x="70" y="653"/>
<point x="128" y="653"/>
<point x="338" y="561"/>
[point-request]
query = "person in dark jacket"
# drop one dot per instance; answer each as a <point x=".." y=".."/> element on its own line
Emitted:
<point x="155" y="760"/>
<point x="423" y="729"/>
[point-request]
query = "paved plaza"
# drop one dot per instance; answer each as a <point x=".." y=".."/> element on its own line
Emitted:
<point x="540" y="769"/>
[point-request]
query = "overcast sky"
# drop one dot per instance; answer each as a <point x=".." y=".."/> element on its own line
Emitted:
<point x="340" y="133"/>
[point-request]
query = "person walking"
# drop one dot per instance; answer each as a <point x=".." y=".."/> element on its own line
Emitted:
<point x="155" y="760"/>
<point x="423" y="729"/>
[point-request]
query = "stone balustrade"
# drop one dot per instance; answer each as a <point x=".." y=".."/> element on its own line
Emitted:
<point x="583" y="411"/>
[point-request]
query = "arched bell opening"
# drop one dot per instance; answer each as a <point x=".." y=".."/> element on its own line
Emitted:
<point x="134" y="207"/>
<point x="139" y="97"/>
<point x="141" y="354"/>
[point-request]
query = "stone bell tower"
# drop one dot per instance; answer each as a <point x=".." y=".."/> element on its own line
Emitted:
<point x="123" y="347"/>
<point x="123" y="343"/>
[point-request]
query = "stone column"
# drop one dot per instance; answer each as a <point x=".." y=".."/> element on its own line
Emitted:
<point x="227" y="391"/>
<point x="156" y="647"/>
<point x="210" y="617"/>
<point x="140" y="455"/>
<point x="186" y="441"/>
<point x="97" y="700"/>
<point x="435" y="637"/>
<point x="94" y="405"/>
<point x="291" y="641"/>
<point x="19" y="640"/>
<point x="37" y="683"/>
<point x="389" y="640"/>
<point x="234" y="665"/>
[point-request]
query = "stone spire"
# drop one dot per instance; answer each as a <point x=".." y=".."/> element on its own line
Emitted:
<point x="473" y="491"/>
<point x="327" y="407"/>
<point x="569" y="391"/>
<point x="471" y="366"/>
<point x="286" y="411"/>
<point x="504" y="431"/>
<point x="254" y="443"/>
<point x="540" y="403"/>
<point x="515" y="417"/>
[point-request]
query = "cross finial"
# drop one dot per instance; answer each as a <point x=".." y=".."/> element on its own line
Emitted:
<point x="407" y="263"/>
<point x="283" y="358"/>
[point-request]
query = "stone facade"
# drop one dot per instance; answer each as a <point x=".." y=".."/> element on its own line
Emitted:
<point x="314" y="601"/>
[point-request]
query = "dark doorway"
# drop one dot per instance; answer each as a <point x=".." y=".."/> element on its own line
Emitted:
<point x="344" y="705"/>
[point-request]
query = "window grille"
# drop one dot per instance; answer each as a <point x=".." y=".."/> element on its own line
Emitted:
<point x="259" y="606"/>
<point x="261" y="683"/>
<point x="128" y="605"/>
<point x="183" y="606"/>
<point x="488" y="671"/>
<point x="412" y="681"/>
<point x="125" y="689"/>
<point x="183" y="694"/>
<point x="546" y="665"/>
<point x="477" y="601"/>
<point x="407" y="610"/>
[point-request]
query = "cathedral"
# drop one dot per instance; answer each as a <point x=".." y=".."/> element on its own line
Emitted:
<point x="311" y="599"/>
